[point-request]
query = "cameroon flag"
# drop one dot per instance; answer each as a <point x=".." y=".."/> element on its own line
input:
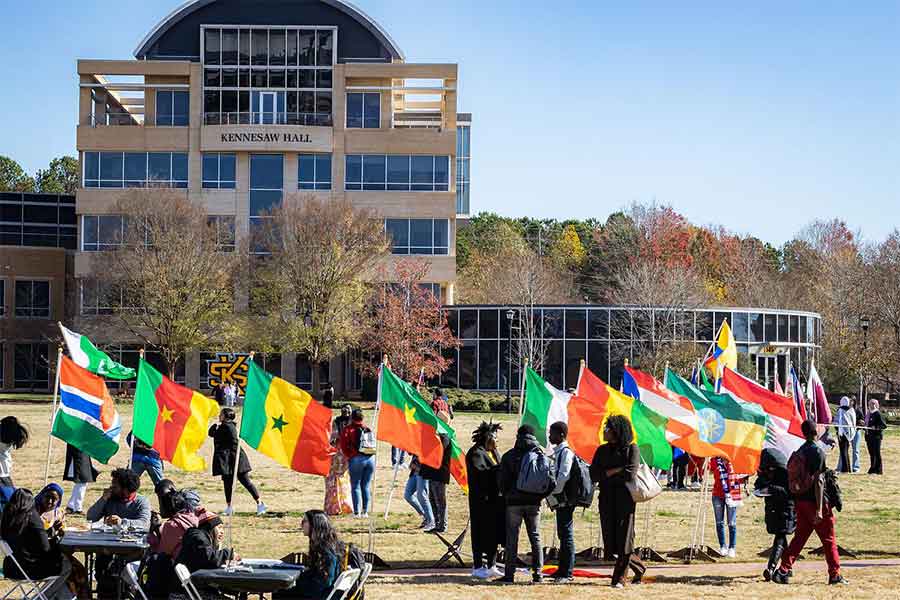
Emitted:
<point x="406" y="421"/>
<point x="171" y="418"/>
<point x="286" y="424"/>
<point x="737" y="428"/>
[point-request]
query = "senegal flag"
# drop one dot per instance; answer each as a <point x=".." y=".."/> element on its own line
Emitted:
<point x="406" y="421"/>
<point x="735" y="427"/>
<point x="286" y="424"/>
<point x="171" y="418"/>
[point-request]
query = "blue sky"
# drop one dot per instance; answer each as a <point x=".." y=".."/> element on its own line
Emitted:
<point x="758" y="116"/>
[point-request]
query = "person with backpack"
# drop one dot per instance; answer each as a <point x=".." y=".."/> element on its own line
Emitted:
<point x="772" y="485"/>
<point x="486" y="508"/>
<point x="806" y="478"/>
<point x="614" y="466"/>
<point x="358" y="445"/>
<point x="437" y="487"/>
<point x="564" y="461"/>
<point x="526" y="478"/>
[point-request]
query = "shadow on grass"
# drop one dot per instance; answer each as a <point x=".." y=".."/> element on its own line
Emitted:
<point x="712" y="580"/>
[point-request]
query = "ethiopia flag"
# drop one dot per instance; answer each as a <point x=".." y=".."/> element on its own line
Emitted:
<point x="737" y="428"/>
<point x="406" y="421"/>
<point x="87" y="417"/>
<point x="682" y="426"/>
<point x="286" y="424"/>
<point x="171" y="418"/>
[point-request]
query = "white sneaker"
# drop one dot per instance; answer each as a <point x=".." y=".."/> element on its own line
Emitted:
<point x="731" y="553"/>
<point x="496" y="572"/>
<point x="481" y="573"/>
<point x="228" y="511"/>
<point x="723" y="550"/>
<point x="364" y="516"/>
<point x="261" y="508"/>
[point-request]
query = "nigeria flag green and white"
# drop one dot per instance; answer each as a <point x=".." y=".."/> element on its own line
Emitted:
<point x="87" y="356"/>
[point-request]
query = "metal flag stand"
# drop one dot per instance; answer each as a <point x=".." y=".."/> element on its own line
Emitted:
<point x="59" y="354"/>
<point x="697" y="550"/>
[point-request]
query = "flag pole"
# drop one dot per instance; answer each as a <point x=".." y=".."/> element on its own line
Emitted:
<point x="59" y="352"/>
<point x="384" y="363"/>
<point x="387" y="506"/>
<point x="522" y="391"/>
<point x="581" y="365"/>
<point x="234" y="474"/>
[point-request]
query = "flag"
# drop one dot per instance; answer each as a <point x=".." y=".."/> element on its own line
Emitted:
<point x="778" y="389"/>
<point x="737" y="429"/>
<point x="595" y="398"/>
<point x="406" y="421"/>
<point x="682" y="427"/>
<point x="87" y="356"/>
<point x="705" y="383"/>
<point x="544" y="405"/>
<point x="286" y="424"/>
<point x="783" y="426"/>
<point x="724" y="351"/>
<point x="457" y="458"/>
<point x="87" y="417"/>
<point x="815" y="391"/>
<point x="171" y="418"/>
<point x="797" y="394"/>
<point x="695" y="375"/>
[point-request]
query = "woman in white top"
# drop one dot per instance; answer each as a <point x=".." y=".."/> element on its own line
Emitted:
<point x="845" y="420"/>
<point x="13" y="436"/>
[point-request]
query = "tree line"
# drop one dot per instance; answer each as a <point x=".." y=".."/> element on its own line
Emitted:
<point x="60" y="177"/>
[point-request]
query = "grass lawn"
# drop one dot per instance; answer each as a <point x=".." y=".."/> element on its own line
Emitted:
<point x="869" y="524"/>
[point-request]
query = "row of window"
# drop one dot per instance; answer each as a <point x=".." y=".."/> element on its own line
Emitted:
<point x="135" y="169"/>
<point x="31" y="299"/>
<point x="263" y="46"/>
<point x="251" y="99"/>
<point x="107" y="232"/>
<point x="46" y="220"/>
<point x="173" y="108"/>
<point x="400" y="173"/>
<point x="261" y="79"/>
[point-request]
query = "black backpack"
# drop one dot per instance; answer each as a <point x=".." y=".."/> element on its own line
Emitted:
<point x="579" y="489"/>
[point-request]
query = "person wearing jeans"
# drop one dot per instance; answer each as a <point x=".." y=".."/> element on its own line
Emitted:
<point x="564" y="459"/>
<point x="416" y="495"/>
<point x="521" y="506"/>
<point x="726" y="498"/>
<point x="145" y="459"/>
<point x="361" y="466"/>
<point x="398" y="456"/>
<point x="437" y="487"/>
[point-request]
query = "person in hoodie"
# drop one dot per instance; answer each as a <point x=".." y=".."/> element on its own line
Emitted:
<point x="202" y="545"/>
<point x="165" y="538"/>
<point x="521" y="506"/>
<point x="772" y="484"/>
<point x="845" y="420"/>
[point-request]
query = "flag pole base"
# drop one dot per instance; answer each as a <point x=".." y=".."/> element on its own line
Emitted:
<point x="551" y="553"/>
<point x="649" y="554"/>
<point x="689" y="554"/>
<point x="594" y="553"/>
<point x="376" y="561"/>
<point x="841" y="552"/>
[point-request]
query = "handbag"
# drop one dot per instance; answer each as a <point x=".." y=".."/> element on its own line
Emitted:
<point x="645" y="486"/>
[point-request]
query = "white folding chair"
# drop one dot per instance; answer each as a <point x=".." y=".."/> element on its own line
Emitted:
<point x="130" y="575"/>
<point x="184" y="576"/>
<point x="343" y="584"/>
<point x="30" y="589"/>
<point x="357" y="590"/>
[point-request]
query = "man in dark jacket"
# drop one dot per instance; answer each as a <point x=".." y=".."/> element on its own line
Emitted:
<point x="521" y="506"/>
<point x="486" y="508"/>
<point x="437" y="487"/>
<point x="772" y="484"/>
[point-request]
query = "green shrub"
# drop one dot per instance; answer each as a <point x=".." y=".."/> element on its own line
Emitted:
<point x="472" y="401"/>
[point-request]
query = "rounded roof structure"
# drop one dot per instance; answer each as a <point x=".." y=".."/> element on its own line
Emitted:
<point x="183" y="13"/>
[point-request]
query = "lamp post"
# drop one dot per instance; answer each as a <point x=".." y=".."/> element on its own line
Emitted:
<point x="307" y="319"/>
<point x="864" y="325"/>
<point x="510" y="315"/>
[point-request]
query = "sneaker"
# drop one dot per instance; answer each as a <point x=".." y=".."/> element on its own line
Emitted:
<point x="732" y="553"/>
<point x="617" y="586"/>
<point x="481" y="573"/>
<point x="723" y="550"/>
<point x="562" y="580"/>
<point x="364" y="516"/>
<point x="428" y="527"/>
<point x="228" y="511"/>
<point x="780" y="576"/>
<point x="837" y="580"/>
<point x="496" y="572"/>
<point x="261" y="508"/>
<point x="537" y="578"/>
<point x="506" y="580"/>
<point x="767" y="574"/>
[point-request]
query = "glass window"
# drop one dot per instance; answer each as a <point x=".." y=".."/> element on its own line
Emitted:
<point x="363" y="110"/>
<point x="111" y="169"/>
<point x="739" y="327"/>
<point x="181" y="108"/>
<point x="222" y="227"/>
<point x="164" y="107"/>
<point x="259" y="47"/>
<point x="598" y="324"/>
<point x="219" y="170"/>
<point x="468" y="354"/>
<point x="619" y="324"/>
<point x="91" y="169"/>
<point x="325" y="47"/>
<point x="277" y="51"/>
<point x="793" y="329"/>
<point x="811" y="330"/>
<point x="488" y="364"/>
<point x="757" y="332"/>
<point x="32" y="366"/>
<point x="401" y="172"/>
<point x="421" y="236"/>
<point x="353" y="172"/>
<point x="398" y="231"/>
<point x="32" y="299"/>
<point x="229" y="47"/>
<point x="468" y="324"/>
<point x="720" y="318"/>
<point x="552" y="324"/>
<point x="705" y="329"/>
<point x="418" y="236"/>
<point x="373" y="171"/>
<point x="179" y="170"/>
<point x="314" y="171"/>
<point x="293" y="53"/>
<point x="598" y="359"/>
<point x="135" y="169"/>
<point x="576" y="324"/>
<point x="782" y="328"/>
<point x="576" y="351"/>
<point x="441" y="236"/>
<point x="307" y="47"/>
<point x="398" y="173"/>
<point x="244" y="52"/>
<point x="488" y="323"/>
<point x="441" y="173"/>
<point x="553" y="364"/>
<point x="422" y="170"/>
<point x="266" y="172"/>
<point x="160" y="167"/>
<point x="212" y="47"/>
<point x="802" y="327"/>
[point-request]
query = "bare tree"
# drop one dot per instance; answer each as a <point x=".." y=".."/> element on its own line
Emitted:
<point x="169" y="282"/>
<point x="310" y="284"/>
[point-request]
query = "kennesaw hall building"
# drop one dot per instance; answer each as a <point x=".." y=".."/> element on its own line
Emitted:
<point x="240" y="104"/>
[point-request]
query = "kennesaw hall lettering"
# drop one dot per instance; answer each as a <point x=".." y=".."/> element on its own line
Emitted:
<point x="287" y="138"/>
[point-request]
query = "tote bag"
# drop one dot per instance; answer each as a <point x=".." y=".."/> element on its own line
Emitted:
<point x="645" y="487"/>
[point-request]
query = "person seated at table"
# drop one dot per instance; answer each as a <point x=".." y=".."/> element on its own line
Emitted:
<point x="323" y="563"/>
<point x="22" y="528"/>
<point x="120" y="503"/>
<point x="202" y="548"/>
<point x="165" y="538"/>
<point x="48" y="503"/>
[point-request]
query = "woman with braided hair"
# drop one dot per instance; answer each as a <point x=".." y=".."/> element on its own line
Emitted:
<point x="486" y="507"/>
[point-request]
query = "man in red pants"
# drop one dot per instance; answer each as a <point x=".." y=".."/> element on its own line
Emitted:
<point x="813" y="511"/>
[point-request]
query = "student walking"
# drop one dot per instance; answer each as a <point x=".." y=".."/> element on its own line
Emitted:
<point x="564" y="459"/>
<point x="145" y="459"/>
<point x="772" y="484"/>
<point x="874" y="433"/>
<point x="79" y="470"/>
<point x="521" y="506"/>
<point x="225" y="444"/>
<point x="806" y="476"/>
<point x="726" y="498"/>
<point x="358" y="445"/>
<point x="614" y="466"/>
<point x="486" y="508"/>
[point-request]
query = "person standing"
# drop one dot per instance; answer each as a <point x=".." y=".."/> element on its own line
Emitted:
<point x="416" y="494"/>
<point x="219" y="394"/>
<point x="338" y="499"/>
<point x="486" y="509"/>
<point x="230" y="394"/>
<point x="81" y="472"/>
<point x="225" y="444"/>
<point x="875" y="427"/>
<point x="564" y="460"/>
<point x="437" y="487"/>
<point x="13" y="436"/>
<point x="726" y="498"/>
<point x="614" y="465"/>
<point x="145" y="459"/>
<point x="328" y="395"/>
<point x="521" y="506"/>
<point x="440" y="404"/>
<point x="772" y="484"/>
<point x="845" y="420"/>
<point x="361" y="462"/>
<point x="806" y="476"/>
<point x="859" y="413"/>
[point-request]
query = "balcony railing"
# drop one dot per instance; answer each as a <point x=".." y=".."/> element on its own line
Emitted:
<point x="269" y="118"/>
<point x="114" y="120"/>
